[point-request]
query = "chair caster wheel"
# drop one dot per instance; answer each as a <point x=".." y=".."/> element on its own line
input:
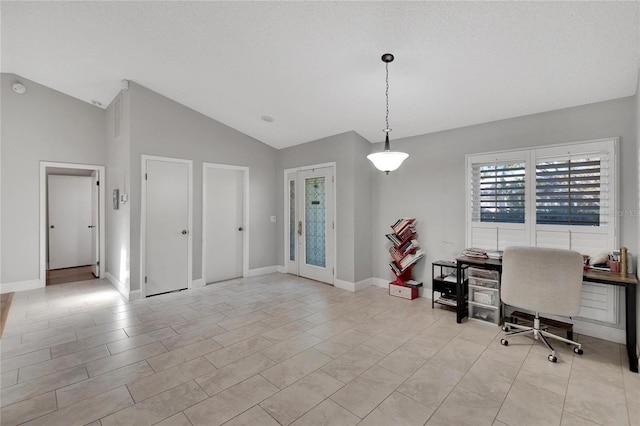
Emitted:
<point x="505" y="328"/>
<point x="552" y="358"/>
<point x="578" y="351"/>
<point x="504" y="342"/>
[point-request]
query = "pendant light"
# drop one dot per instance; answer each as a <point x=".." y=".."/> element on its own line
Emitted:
<point x="387" y="160"/>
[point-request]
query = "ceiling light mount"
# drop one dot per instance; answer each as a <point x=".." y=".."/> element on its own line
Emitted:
<point x="267" y="119"/>
<point x="18" y="87"/>
<point x="387" y="160"/>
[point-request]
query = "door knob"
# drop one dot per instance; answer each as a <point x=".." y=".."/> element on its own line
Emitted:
<point x="300" y="227"/>
<point x="240" y="229"/>
<point x="90" y="226"/>
<point x="52" y="226"/>
<point x="184" y="232"/>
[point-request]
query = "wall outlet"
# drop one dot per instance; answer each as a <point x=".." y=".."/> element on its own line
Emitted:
<point x="273" y="219"/>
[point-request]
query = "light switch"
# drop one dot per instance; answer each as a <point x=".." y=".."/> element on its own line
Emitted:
<point x="273" y="219"/>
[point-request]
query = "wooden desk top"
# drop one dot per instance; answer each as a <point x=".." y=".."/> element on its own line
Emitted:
<point x="591" y="275"/>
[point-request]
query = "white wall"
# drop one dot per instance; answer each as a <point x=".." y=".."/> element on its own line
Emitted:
<point x="39" y="125"/>
<point x="163" y="127"/>
<point x="118" y="222"/>
<point x="637" y="247"/>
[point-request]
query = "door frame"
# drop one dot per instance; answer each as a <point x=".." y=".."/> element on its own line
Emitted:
<point x="245" y="216"/>
<point x="43" y="213"/>
<point x="295" y="170"/>
<point x="143" y="219"/>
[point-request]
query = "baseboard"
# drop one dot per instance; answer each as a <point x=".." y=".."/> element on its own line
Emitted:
<point x="135" y="295"/>
<point x="361" y="285"/>
<point x="344" y="285"/>
<point x="197" y="283"/>
<point x="380" y="282"/>
<point x="281" y="269"/>
<point x="20" y="286"/>
<point x="124" y="291"/>
<point x="262" y="271"/>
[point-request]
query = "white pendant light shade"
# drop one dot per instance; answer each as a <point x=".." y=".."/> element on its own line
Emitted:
<point x="387" y="161"/>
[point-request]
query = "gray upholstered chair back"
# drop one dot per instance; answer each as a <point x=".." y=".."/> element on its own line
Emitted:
<point x="542" y="280"/>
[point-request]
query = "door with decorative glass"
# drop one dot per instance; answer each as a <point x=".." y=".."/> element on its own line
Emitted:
<point x="311" y="224"/>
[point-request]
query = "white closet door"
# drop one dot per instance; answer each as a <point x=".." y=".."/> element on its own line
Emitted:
<point x="69" y="207"/>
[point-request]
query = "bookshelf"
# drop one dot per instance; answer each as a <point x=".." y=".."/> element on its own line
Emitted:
<point x="405" y="252"/>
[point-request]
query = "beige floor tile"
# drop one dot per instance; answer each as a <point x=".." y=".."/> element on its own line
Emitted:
<point x="176" y="420"/>
<point x="353" y="363"/>
<point x="287" y="331"/>
<point x="283" y="350"/>
<point x="327" y="413"/>
<point x="342" y="343"/>
<point x="241" y="333"/>
<point x="27" y="390"/>
<point x="490" y="378"/>
<point x="183" y="354"/>
<point x="569" y="419"/>
<point x="91" y="387"/>
<point x="296" y="367"/>
<point x="465" y="408"/>
<point x="233" y="353"/>
<point x="368" y="390"/>
<point x="255" y="416"/>
<point x="162" y="322"/>
<point x="333" y="328"/>
<point x="88" y="410"/>
<point x="11" y="352"/>
<point x="292" y="402"/>
<point x="229" y="403"/>
<point x="86" y="343"/>
<point x="431" y="384"/>
<point x="197" y="323"/>
<point x="243" y="320"/>
<point x="398" y="409"/>
<point x="25" y="360"/>
<point x="547" y="375"/>
<point x="529" y="404"/>
<point x="286" y="318"/>
<point x="140" y="340"/>
<point x="106" y="327"/>
<point x="27" y="410"/>
<point x="404" y="361"/>
<point x="37" y="370"/>
<point x="514" y="354"/>
<point x="282" y="308"/>
<point x="159" y="407"/>
<point x="8" y="378"/>
<point x="193" y="336"/>
<point x="36" y="336"/>
<point x="233" y="373"/>
<point x="459" y="354"/>
<point x="596" y="401"/>
<point x="131" y="356"/>
<point x="154" y="384"/>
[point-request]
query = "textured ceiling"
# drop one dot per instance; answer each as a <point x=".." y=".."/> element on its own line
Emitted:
<point x="315" y="66"/>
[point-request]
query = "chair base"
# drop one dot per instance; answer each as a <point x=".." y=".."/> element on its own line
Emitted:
<point x="539" y="334"/>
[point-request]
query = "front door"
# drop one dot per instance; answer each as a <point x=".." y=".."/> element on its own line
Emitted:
<point x="167" y="234"/>
<point x="315" y="223"/>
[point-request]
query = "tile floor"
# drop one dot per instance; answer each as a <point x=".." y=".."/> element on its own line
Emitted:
<point x="278" y="350"/>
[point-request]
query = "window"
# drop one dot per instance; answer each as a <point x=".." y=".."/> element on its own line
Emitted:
<point x="498" y="192"/>
<point x="568" y="191"/>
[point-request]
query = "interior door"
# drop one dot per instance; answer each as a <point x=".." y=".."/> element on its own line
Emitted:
<point x="69" y="208"/>
<point x="95" y="239"/>
<point x="167" y="214"/>
<point x="315" y="226"/>
<point x="223" y="223"/>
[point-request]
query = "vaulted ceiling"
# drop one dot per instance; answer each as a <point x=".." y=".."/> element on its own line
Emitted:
<point x="315" y="66"/>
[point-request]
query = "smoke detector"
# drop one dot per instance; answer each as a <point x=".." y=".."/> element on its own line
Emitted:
<point x="18" y="88"/>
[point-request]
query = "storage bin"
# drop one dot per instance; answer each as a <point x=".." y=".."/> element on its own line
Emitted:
<point x="483" y="282"/>
<point x="486" y="274"/>
<point x="486" y="297"/>
<point x="483" y="313"/>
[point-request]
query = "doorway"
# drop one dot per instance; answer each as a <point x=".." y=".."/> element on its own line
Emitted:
<point x="310" y="222"/>
<point x="225" y="219"/>
<point x="165" y="232"/>
<point x="72" y="222"/>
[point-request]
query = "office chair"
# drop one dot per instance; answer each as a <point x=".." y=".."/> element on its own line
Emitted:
<point x="541" y="280"/>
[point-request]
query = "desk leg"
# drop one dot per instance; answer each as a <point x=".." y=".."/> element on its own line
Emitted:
<point x="630" y="297"/>
<point x="459" y="294"/>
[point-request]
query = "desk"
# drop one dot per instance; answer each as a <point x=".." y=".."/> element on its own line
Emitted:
<point x="629" y="282"/>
